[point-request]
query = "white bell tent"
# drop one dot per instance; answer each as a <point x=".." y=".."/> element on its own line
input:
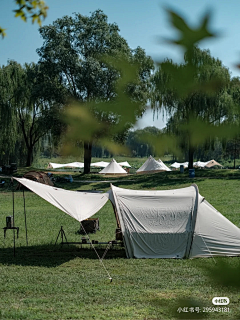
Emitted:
<point x="176" y="223"/>
<point x="151" y="166"/>
<point x="164" y="167"/>
<point x="113" y="168"/>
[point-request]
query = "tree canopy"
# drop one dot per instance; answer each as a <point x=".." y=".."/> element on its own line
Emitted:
<point x="27" y="112"/>
<point x="92" y="61"/>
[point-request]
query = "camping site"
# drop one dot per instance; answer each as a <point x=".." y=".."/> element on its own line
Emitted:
<point x="43" y="278"/>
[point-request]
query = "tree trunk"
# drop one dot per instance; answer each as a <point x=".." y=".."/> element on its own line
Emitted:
<point x="190" y="157"/>
<point x="87" y="156"/>
<point x="235" y="154"/>
<point x="29" y="156"/>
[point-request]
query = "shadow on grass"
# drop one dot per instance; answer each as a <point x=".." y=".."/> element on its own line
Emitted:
<point x="146" y="181"/>
<point x="149" y="182"/>
<point x="53" y="256"/>
<point x="165" y="180"/>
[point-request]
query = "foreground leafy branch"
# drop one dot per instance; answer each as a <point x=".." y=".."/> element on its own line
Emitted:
<point x="36" y="10"/>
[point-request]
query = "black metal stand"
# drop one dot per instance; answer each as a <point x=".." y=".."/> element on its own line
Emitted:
<point x="62" y="233"/>
<point x="14" y="228"/>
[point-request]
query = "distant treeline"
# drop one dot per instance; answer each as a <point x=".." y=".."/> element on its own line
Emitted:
<point x="137" y="148"/>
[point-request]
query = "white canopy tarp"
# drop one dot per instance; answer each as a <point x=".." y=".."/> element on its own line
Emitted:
<point x="124" y="164"/>
<point x="79" y="205"/>
<point x="200" y="164"/>
<point x="113" y="168"/>
<point x="100" y="164"/>
<point x="177" y="165"/>
<point x="53" y="165"/>
<point x="75" y="165"/>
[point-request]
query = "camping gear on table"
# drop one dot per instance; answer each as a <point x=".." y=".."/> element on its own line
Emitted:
<point x="90" y="225"/>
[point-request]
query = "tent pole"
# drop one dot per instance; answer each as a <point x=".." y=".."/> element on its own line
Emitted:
<point x="24" y="206"/>
<point x="13" y="219"/>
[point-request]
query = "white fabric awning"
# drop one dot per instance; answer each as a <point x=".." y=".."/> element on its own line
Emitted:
<point x="79" y="205"/>
<point x="100" y="164"/>
<point x="177" y="165"/>
<point x="124" y="164"/>
<point x="53" y="165"/>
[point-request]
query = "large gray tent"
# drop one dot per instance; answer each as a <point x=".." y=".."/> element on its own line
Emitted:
<point x="173" y="224"/>
<point x="177" y="223"/>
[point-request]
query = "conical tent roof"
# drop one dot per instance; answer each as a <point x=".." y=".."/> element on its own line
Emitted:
<point x="113" y="168"/>
<point x="212" y="163"/>
<point x="163" y="165"/>
<point x="151" y="165"/>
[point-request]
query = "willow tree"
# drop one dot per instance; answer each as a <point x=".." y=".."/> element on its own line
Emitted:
<point x="208" y="102"/>
<point x="29" y="110"/>
<point x="75" y="50"/>
<point x="9" y="80"/>
<point x="38" y="109"/>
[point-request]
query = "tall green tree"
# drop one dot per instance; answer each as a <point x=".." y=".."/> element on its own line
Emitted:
<point x="29" y="109"/>
<point x="38" y="111"/>
<point x="9" y="79"/>
<point x="208" y="102"/>
<point x="75" y="49"/>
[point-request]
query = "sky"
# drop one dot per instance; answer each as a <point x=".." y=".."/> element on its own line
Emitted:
<point x="142" y="23"/>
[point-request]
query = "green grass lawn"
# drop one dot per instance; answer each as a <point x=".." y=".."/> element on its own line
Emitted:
<point x="48" y="281"/>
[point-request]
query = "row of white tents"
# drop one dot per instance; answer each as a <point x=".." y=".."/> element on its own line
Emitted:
<point x="197" y="164"/>
<point x="177" y="223"/>
<point x="150" y="166"/>
<point x="100" y="164"/>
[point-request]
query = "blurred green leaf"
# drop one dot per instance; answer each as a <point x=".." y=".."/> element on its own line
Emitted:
<point x="29" y="9"/>
<point x="82" y="123"/>
<point x="224" y="273"/>
<point x="162" y="143"/>
<point x="2" y="32"/>
<point x="200" y="130"/>
<point x="189" y="37"/>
